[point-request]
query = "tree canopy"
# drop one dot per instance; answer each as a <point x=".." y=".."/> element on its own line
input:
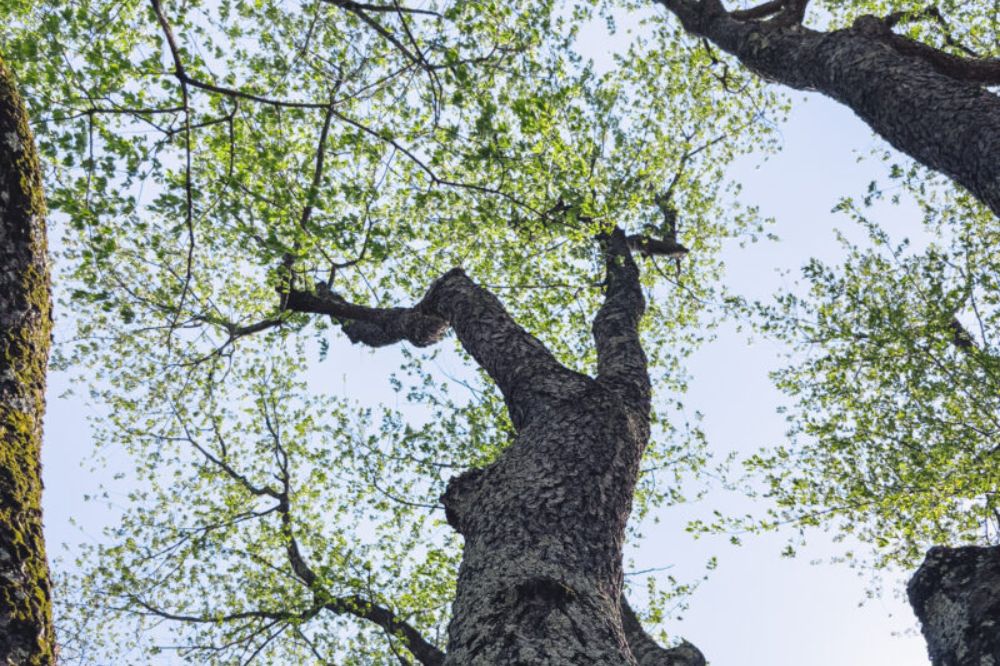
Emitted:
<point x="222" y="165"/>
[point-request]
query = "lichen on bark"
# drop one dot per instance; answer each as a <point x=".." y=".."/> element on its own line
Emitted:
<point x="26" y="634"/>
<point x="956" y="596"/>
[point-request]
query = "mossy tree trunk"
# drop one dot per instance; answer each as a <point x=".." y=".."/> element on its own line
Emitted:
<point x="26" y="635"/>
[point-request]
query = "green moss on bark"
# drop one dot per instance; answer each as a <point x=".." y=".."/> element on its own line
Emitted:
<point x="26" y="635"/>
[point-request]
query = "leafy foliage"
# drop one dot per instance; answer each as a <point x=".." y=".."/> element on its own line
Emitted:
<point x="894" y="383"/>
<point x="892" y="377"/>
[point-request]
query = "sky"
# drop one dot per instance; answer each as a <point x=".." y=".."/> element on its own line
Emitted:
<point x="757" y="608"/>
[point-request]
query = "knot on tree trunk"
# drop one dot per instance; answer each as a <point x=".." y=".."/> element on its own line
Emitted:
<point x="869" y="25"/>
<point x="956" y="596"/>
<point x="459" y="497"/>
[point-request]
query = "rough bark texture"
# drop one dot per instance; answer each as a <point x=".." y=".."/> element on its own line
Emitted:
<point x="912" y="96"/>
<point x="650" y="653"/>
<point x="956" y="596"/>
<point x="26" y="635"/>
<point x="541" y="575"/>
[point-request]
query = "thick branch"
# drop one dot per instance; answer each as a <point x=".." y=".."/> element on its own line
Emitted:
<point x="374" y="327"/>
<point x="760" y="11"/>
<point x="621" y="362"/>
<point x="783" y="12"/>
<point x="648" y="652"/>
<point x="526" y="372"/>
<point x="974" y="70"/>
<point x="793" y="13"/>
<point x="923" y="103"/>
<point x="656" y="247"/>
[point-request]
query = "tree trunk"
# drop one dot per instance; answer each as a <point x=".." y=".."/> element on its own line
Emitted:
<point x="924" y="102"/>
<point x="956" y="596"/>
<point x="541" y="575"/>
<point x="26" y="635"/>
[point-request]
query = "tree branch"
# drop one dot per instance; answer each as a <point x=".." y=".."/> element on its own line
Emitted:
<point x="386" y="9"/>
<point x="181" y="75"/>
<point x="656" y="247"/>
<point x="180" y="72"/>
<point x="782" y="12"/>
<point x="695" y="14"/>
<point x="527" y="373"/>
<point x="374" y="327"/>
<point x="760" y="11"/>
<point x="648" y="652"/>
<point x="358" y="11"/>
<point x="984" y="71"/>
<point x="929" y="104"/>
<point x="355" y="605"/>
<point x="894" y="19"/>
<point x="793" y="13"/>
<point x="425" y="652"/>
<point x="621" y="362"/>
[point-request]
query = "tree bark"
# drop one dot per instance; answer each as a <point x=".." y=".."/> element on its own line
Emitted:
<point x="26" y="635"/>
<point x="650" y="653"/>
<point x="924" y="102"/>
<point x="541" y="575"/>
<point x="956" y="596"/>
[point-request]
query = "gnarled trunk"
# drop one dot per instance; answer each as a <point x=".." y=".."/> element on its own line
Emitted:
<point x="956" y="596"/>
<point x="926" y="103"/>
<point x="541" y="574"/>
<point x="26" y="635"/>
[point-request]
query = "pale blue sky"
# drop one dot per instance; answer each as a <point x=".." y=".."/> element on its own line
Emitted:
<point x="760" y="609"/>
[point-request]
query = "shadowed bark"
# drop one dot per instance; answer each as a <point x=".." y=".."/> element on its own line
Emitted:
<point x="650" y="653"/>
<point x="541" y="575"/>
<point x="956" y="596"/>
<point x="929" y="104"/>
<point x="26" y="636"/>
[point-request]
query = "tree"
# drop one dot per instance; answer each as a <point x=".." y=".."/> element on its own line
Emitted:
<point x="26" y="635"/>
<point x="896" y="458"/>
<point x="930" y="102"/>
<point x="230" y="170"/>
<point x="543" y="524"/>
<point x="958" y="618"/>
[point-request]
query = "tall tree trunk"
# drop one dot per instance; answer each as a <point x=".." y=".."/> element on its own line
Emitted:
<point x="26" y="635"/>
<point x="541" y="575"/>
<point x="926" y="103"/>
<point x="956" y="596"/>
